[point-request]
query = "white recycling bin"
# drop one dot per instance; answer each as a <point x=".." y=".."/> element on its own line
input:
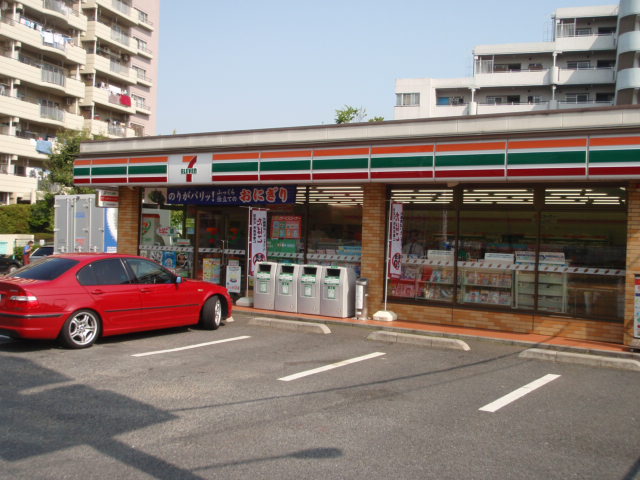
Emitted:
<point x="264" y="285"/>
<point x="287" y="287"/>
<point x="338" y="292"/>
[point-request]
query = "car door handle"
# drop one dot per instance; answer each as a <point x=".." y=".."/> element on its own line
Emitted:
<point x="97" y="292"/>
<point x="145" y="290"/>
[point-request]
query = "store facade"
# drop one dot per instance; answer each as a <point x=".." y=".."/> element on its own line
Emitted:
<point x="511" y="225"/>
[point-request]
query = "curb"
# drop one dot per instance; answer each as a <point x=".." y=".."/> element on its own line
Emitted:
<point x="290" y="325"/>
<point x="581" y="359"/>
<point x="425" y="340"/>
<point x="520" y="343"/>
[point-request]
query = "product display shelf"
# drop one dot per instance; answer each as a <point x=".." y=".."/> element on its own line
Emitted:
<point x="436" y="283"/>
<point x="552" y="291"/>
<point x="489" y="286"/>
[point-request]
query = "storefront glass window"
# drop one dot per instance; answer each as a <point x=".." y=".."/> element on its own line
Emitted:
<point x="587" y="240"/>
<point x="429" y="224"/>
<point x="335" y="226"/>
<point x="492" y="243"/>
<point x="164" y="233"/>
<point x="556" y="250"/>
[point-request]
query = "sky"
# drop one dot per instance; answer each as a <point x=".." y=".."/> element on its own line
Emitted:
<point x="250" y="64"/>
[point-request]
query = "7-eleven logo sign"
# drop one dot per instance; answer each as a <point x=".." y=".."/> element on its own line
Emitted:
<point x="191" y="169"/>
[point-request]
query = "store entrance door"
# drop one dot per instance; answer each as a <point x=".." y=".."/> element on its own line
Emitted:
<point x="221" y="247"/>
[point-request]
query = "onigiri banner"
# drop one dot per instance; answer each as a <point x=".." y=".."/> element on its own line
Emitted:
<point x="233" y="195"/>
<point x="395" y="240"/>
<point x="258" y="237"/>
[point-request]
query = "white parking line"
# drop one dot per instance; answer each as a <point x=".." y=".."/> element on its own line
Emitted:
<point x="331" y="366"/>
<point x="519" y="393"/>
<point x="157" y="352"/>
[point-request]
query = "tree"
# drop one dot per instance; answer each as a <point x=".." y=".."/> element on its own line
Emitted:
<point x="15" y="218"/>
<point x="350" y="114"/>
<point x="60" y="163"/>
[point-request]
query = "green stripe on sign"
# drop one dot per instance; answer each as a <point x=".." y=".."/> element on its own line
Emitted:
<point x="496" y="159"/>
<point x="395" y="162"/>
<point x="234" y="167"/>
<point x="109" y="170"/>
<point x="545" y="158"/>
<point x="608" y="156"/>
<point x="146" y="169"/>
<point x="340" y="163"/>
<point x="285" y="165"/>
<point x="82" y="171"/>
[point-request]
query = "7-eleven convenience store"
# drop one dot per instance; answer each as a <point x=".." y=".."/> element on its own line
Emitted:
<point x="518" y="223"/>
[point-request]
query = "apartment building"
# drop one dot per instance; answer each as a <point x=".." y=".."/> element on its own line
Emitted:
<point x="71" y="65"/>
<point x="592" y="60"/>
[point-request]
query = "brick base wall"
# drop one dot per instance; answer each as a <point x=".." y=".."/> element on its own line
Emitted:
<point x="129" y="213"/>
<point x="633" y="258"/>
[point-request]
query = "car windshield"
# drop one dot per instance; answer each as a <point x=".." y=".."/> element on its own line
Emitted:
<point x="47" y="269"/>
<point x="43" y="251"/>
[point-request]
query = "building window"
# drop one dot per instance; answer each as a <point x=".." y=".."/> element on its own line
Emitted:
<point x="535" y="67"/>
<point x="507" y="67"/>
<point x="606" y="64"/>
<point x="533" y="99"/>
<point x="583" y="31"/>
<point x="577" y="97"/>
<point x="407" y="99"/>
<point x="491" y="100"/>
<point x="578" y="64"/>
<point x="605" y="97"/>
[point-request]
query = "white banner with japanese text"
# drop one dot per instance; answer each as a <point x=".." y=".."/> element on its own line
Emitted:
<point x="395" y="240"/>
<point x="258" y="237"/>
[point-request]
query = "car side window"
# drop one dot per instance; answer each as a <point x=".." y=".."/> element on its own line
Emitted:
<point x="148" y="272"/>
<point x="104" y="272"/>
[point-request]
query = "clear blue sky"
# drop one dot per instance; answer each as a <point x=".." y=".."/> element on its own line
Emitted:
<point x="246" y="64"/>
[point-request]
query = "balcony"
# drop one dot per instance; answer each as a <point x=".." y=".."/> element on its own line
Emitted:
<point x="587" y="104"/>
<point x="111" y="69"/>
<point x="104" y="33"/>
<point x="586" y="76"/>
<point x="30" y="108"/>
<point x="143" y="79"/>
<point x="54" y="44"/>
<point x="71" y="17"/>
<point x="107" y="129"/>
<point x="585" y="43"/>
<point x="47" y="77"/>
<point x="22" y="147"/>
<point x="103" y="97"/>
<point x="488" y="108"/>
<point x="513" y="78"/>
<point x="123" y="11"/>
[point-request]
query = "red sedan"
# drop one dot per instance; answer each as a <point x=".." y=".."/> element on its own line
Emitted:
<point x="80" y="297"/>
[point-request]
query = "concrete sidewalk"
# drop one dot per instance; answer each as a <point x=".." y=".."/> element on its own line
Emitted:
<point x="529" y="340"/>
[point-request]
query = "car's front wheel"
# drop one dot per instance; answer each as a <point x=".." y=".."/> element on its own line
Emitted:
<point x="80" y="330"/>
<point x="211" y="315"/>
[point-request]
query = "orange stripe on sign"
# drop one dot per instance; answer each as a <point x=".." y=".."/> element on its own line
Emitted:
<point x="565" y="142"/>
<point x="82" y="162"/>
<point x="109" y="161"/>
<point x="289" y="154"/>
<point x="339" y="152"/>
<point x="406" y="149"/>
<point x="469" y="147"/>
<point x="613" y="141"/>
<point x="236" y="156"/>
<point x="149" y="160"/>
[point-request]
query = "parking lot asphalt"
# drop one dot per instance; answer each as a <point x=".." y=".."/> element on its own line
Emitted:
<point x="267" y="400"/>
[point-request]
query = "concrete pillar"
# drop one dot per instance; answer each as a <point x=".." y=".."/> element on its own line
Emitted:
<point x="129" y="212"/>
<point x="373" y="241"/>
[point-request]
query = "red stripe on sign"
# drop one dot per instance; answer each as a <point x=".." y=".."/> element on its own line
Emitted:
<point x="147" y="179"/>
<point x="234" y="178"/>
<point x="284" y="176"/>
<point x="546" y="172"/>
<point x="421" y="174"/>
<point x="614" y="170"/>
<point x="469" y="173"/>
<point x="341" y="176"/>
<point x="108" y="180"/>
<point x="403" y="149"/>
